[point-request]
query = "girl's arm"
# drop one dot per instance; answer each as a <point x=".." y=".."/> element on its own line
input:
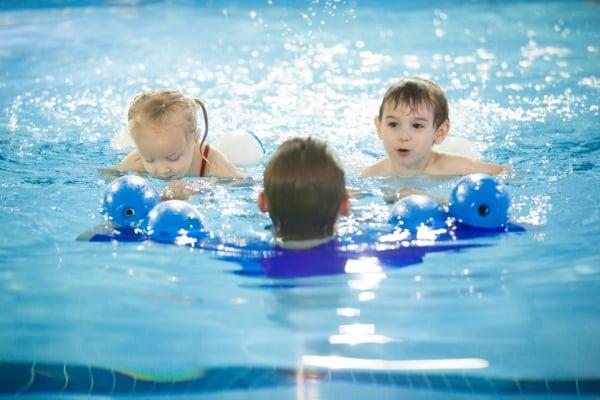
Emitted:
<point x="183" y="190"/>
<point x="131" y="162"/>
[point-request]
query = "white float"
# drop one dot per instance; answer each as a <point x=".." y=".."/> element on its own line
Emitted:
<point x="242" y="148"/>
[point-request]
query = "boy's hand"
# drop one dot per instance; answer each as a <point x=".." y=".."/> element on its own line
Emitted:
<point x="407" y="191"/>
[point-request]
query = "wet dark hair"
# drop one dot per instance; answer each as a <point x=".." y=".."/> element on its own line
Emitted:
<point x="415" y="92"/>
<point x="304" y="187"/>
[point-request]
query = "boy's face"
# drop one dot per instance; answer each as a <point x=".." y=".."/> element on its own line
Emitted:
<point x="408" y="136"/>
<point x="166" y="148"/>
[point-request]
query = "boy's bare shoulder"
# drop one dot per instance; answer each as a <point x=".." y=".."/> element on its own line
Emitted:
<point x="377" y="169"/>
<point x="454" y="164"/>
<point x="131" y="162"/>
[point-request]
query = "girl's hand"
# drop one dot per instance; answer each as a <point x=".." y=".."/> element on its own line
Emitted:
<point x="180" y="190"/>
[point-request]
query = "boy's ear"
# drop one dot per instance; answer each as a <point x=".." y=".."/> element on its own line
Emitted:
<point x="262" y="202"/>
<point x="441" y="132"/>
<point x="345" y="206"/>
<point x="377" y="122"/>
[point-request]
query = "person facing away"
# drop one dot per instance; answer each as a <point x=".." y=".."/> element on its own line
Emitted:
<point x="413" y="116"/>
<point x="163" y="126"/>
<point x="304" y="192"/>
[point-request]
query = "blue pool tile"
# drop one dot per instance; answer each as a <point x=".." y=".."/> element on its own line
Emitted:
<point x="400" y="379"/>
<point x="48" y="378"/>
<point x="79" y="380"/>
<point x="588" y="386"/>
<point x="418" y="381"/>
<point x="382" y="378"/>
<point x="15" y="377"/>
<point x="457" y="383"/>
<point x="480" y="385"/>
<point x="531" y="386"/>
<point x="363" y="377"/>
<point x="55" y="379"/>
<point x="316" y="376"/>
<point x="341" y="376"/>
<point x="258" y="377"/>
<point x="103" y="381"/>
<point x="162" y="387"/>
<point x="243" y="379"/>
<point x="227" y="378"/>
<point x="124" y="383"/>
<point x="270" y="377"/>
<point x="143" y="386"/>
<point x="203" y="382"/>
<point x="562" y="386"/>
<point x="437" y="382"/>
<point x="183" y="386"/>
<point x="505" y="386"/>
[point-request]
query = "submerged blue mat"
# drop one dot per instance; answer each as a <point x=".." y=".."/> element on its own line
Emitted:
<point x="19" y="378"/>
<point x="261" y="258"/>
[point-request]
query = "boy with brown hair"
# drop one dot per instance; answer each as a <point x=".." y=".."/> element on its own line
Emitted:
<point x="304" y="192"/>
<point x="413" y="116"/>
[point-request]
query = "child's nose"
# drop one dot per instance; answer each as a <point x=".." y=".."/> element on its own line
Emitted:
<point x="163" y="169"/>
<point x="403" y="135"/>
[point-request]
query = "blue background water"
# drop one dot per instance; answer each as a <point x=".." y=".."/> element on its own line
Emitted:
<point x="523" y="83"/>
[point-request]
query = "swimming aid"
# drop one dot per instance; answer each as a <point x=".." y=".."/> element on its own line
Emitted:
<point x="418" y="225"/>
<point x="243" y="148"/>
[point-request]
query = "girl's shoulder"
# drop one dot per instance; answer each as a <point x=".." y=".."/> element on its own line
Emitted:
<point x="217" y="164"/>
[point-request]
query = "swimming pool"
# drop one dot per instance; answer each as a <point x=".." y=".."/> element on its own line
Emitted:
<point x="521" y="316"/>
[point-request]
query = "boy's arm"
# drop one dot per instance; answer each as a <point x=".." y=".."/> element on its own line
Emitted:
<point x="376" y="169"/>
<point x="407" y="191"/>
<point x="220" y="167"/>
<point x="451" y="164"/>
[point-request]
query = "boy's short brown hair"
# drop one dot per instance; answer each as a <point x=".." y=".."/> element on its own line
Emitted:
<point x="414" y="92"/>
<point x="304" y="186"/>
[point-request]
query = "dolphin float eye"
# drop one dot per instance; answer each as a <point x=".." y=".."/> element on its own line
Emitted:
<point x="128" y="200"/>
<point x="481" y="201"/>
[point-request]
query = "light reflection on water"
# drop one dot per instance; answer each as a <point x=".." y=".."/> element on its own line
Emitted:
<point x="528" y="100"/>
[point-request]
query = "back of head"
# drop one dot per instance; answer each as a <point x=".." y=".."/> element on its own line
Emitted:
<point x="154" y="106"/>
<point x="414" y="92"/>
<point x="304" y="188"/>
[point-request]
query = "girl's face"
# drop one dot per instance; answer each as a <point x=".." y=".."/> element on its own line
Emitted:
<point x="167" y="147"/>
<point x="409" y="135"/>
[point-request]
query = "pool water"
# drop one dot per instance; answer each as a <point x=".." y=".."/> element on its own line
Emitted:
<point x="518" y="317"/>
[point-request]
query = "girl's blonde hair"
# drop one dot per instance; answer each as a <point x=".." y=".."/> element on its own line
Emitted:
<point x="153" y="106"/>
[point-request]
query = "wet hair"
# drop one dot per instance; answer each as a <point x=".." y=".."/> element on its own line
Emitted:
<point x="154" y="106"/>
<point x="304" y="187"/>
<point x="414" y="92"/>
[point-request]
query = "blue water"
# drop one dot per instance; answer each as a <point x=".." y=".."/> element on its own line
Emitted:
<point x="523" y="83"/>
